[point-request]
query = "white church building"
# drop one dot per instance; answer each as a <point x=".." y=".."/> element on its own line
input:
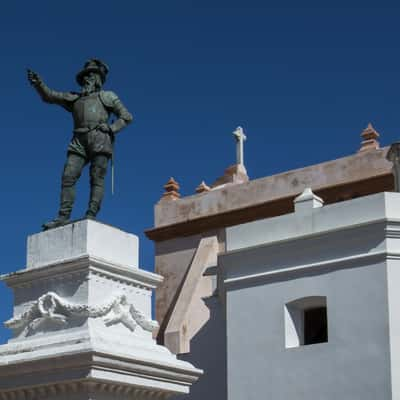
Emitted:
<point x="286" y="287"/>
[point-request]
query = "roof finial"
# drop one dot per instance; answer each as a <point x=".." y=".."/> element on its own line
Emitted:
<point x="203" y="187"/>
<point x="171" y="190"/>
<point x="370" y="136"/>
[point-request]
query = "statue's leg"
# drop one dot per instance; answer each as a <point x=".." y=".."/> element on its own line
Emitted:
<point x="72" y="171"/>
<point x="98" y="170"/>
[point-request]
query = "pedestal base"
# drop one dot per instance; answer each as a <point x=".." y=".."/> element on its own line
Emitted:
<point x="82" y="324"/>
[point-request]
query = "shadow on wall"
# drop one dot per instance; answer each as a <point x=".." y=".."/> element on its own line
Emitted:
<point x="208" y="352"/>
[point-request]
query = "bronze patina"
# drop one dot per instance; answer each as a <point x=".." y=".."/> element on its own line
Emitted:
<point x="93" y="135"/>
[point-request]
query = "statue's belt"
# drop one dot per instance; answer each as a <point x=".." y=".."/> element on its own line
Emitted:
<point x="85" y="131"/>
<point x="81" y="131"/>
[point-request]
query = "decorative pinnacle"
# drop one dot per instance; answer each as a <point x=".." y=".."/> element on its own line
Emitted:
<point x="171" y="190"/>
<point x="369" y="136"/>
<point x="202" y="188"/>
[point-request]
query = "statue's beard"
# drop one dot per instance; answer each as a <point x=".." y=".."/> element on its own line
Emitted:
<point x="89" y="87"/>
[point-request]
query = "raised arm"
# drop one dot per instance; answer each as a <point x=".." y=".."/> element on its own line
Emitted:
<point x="64" y="99"/>
<point x="114" y="105"/>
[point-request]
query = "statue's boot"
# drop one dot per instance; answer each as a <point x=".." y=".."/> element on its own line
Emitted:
<point x="55" y="223"/>
<point x="96" y="197"/>
<point x="94" y="206"/>
<point x="66" y="203"/>
<point x="92" y="210"/>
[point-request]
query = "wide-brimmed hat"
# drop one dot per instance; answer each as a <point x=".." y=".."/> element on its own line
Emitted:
<point x="93" y="65"/>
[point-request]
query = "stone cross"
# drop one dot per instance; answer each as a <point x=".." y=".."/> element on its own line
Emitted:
<point x="240" y="138"/>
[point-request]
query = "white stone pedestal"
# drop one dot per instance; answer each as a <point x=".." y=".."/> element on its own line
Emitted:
<point x="82" y="324"/>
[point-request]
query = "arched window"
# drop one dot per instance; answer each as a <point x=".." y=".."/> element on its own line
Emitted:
<point x="306" y="321"/>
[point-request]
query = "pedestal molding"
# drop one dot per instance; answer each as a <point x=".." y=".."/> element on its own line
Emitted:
<point x="83" y="264"/>
<point x="111" y="369"/>
<point x="89" y="387"/>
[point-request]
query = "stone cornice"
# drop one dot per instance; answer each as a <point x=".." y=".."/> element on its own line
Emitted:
<point x="88" y="387"/>
<point x="389" y="227"/>
<point x="97" y="367"/>
<point x="270" y="208"/>
<point x="345" y="178"/>
<point x="338" y="263"/>
<point x="390" y="230"/>
<point x="81" y="265"/>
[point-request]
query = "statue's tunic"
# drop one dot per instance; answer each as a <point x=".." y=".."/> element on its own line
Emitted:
<point x="89" y="112"/>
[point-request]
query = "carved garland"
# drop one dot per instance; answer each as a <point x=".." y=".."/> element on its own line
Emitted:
<point x="52" y="306"/>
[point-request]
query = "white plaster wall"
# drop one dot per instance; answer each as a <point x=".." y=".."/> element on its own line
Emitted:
<point x="354" y="364"/>
<point x="348" y="252"/>
<point x="393" y="282"/>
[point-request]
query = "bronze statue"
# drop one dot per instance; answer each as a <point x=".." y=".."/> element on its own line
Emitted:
<point x="93" y="136"/>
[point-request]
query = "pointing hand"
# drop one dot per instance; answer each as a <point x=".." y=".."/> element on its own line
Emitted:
<point x="34" y="78"/>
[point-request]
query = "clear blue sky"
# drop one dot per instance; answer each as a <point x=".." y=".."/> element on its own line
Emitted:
<point x="302" y="78"/>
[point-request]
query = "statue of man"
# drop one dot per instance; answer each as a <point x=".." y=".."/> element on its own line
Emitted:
<point x="93" y="136"/>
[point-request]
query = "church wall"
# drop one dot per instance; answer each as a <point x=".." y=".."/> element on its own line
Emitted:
<point x="344" y="253"/>
<point x="353" y="364"/>
<point x="393" y="281"/>
<point x="180" y="224"/>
